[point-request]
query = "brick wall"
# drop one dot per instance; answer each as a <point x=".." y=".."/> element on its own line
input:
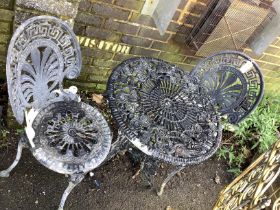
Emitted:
<point x="111" y="31"/>
<point x="120" y="23"/>
<point x="6" y="24"/>
<point x="269" y="63"/>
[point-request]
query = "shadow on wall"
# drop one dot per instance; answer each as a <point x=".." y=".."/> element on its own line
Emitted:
<point x="199" y="25"/>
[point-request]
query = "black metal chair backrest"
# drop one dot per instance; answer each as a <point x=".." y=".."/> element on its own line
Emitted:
<point x="234" y="81"/>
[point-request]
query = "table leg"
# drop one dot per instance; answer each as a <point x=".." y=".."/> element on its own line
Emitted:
<point x="150" y="170"/>
<point x="168" y="178"/>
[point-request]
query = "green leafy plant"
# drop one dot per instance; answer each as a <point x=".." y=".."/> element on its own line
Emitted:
<point x="252" y="136"/>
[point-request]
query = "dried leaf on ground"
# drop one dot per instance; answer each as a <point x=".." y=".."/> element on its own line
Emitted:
<point x="98" y="98"/>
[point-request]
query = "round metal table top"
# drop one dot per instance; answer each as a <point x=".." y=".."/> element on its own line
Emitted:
<point x="163" y="111"/>
<point x="71" y="137"/>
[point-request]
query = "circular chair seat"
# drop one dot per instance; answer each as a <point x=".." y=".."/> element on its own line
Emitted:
<point x="70" y="137"/>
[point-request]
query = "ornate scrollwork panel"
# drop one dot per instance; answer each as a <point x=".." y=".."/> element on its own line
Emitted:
<point x="276" y="204"/>
<point x="163" y="112"/>
<point x="248" y="190"/>
<point x="42" y="51"/>
<point x="234" y="81"/>
<point x="71" y="137"/>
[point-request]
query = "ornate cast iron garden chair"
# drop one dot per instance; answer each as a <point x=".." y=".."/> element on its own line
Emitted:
<point x="174" y="116"/>
<point x="63" y="133"/>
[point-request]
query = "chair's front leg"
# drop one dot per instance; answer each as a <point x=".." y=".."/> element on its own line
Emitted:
<point x="21" y="144"/>
<point x="168" y="178"/>
<point x="75" y="179"/>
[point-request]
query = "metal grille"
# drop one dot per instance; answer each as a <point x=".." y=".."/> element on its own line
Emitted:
<point x="240" y="22"/>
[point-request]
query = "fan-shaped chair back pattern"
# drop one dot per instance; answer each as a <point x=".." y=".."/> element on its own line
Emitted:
<point x="42" y="51"/>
